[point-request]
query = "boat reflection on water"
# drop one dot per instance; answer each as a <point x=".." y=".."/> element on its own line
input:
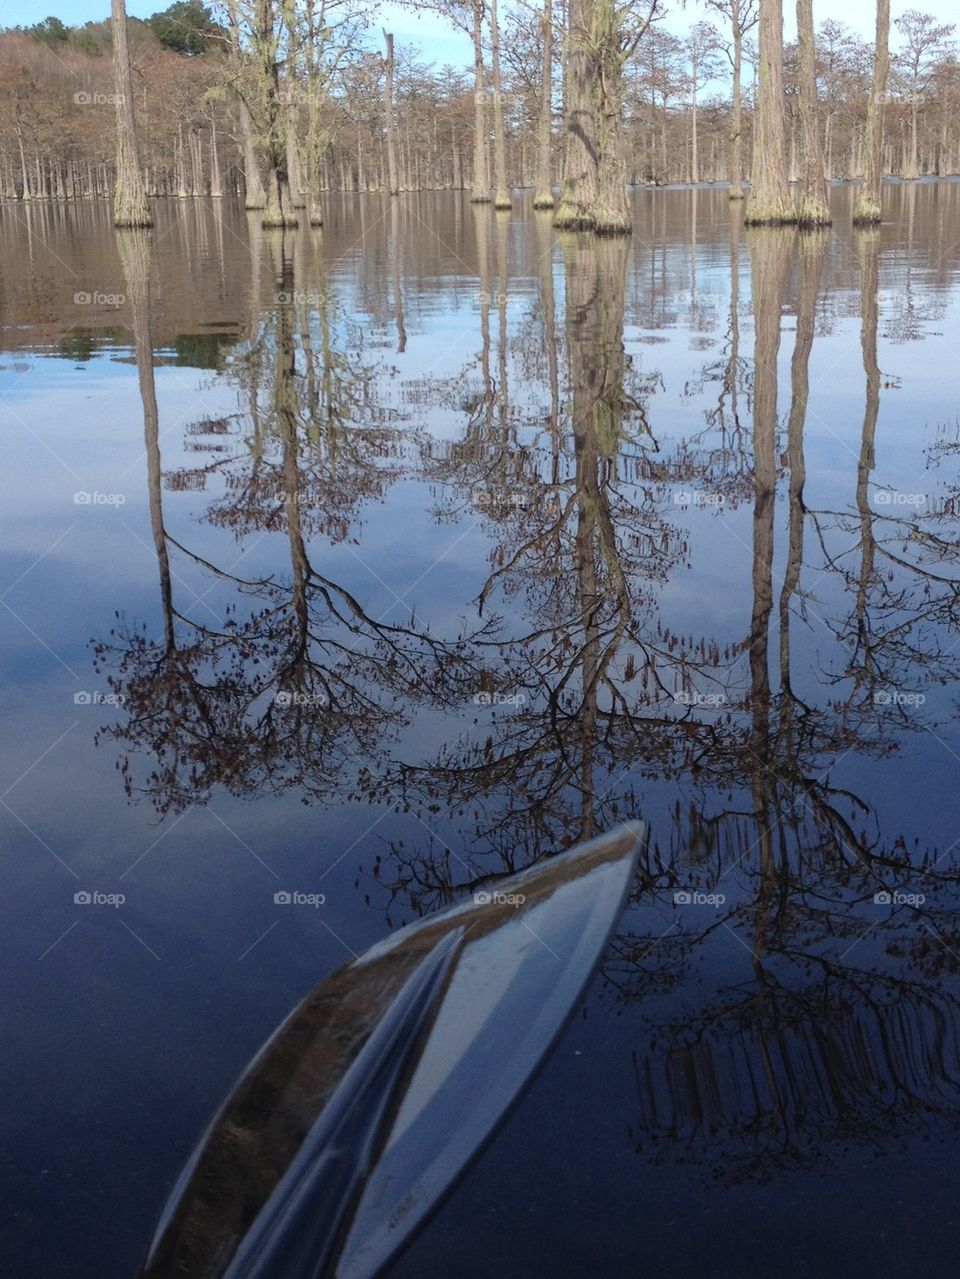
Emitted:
<point x="375" y="1094"/>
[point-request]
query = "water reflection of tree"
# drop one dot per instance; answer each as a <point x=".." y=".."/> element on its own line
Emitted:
<point x="840" y="1028"/>
<point x="827" y="1038"/>
<point x="298" y="684"/>
<point x="582" y="542"/>
<point x="895" y="561"/>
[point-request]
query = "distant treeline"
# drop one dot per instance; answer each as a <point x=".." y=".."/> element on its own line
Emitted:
<point x="58" y="133"/>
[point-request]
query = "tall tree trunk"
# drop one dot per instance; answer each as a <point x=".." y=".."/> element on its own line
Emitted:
<point x="694" y="157"/>
<point x="481" y="174"/>
<point x="278" y="210"/>
<point x="769" y="199"/>
<point x="813" y="208"/>
<point x="130" y="208"/>
<point x="735" y="163"/>
<point x="867" y="209"/>
<point x="394" y="187"/>
<point x="911" y="170"/>
<point x="543" y="189"/>
<point x="611" y="214"/>
<point x="578" y="192"/>
<point x="502" y="200"/>
<point x="254" y="193"/>
<point x="216" y="181"/>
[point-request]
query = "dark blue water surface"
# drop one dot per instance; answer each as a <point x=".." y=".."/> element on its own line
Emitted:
<point x="372" y="561"/>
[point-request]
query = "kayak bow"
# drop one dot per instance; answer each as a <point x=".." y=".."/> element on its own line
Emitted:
<point x="373" y="1097"/>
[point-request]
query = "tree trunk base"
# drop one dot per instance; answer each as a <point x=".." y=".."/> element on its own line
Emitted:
<point x="736" y="194"/>
<point x="769" y="212"/>
<point x="273" y="221"/>
<point x="544" y="200"/>
<point x="607" y="221"/>
<point x="503" y="203"/>
<point x="866" y="212"/>
<point x="479" y="197"/>
<point x="569" y="217"/>
<point x="130" y="208"/>
<point x="813" y="213"/>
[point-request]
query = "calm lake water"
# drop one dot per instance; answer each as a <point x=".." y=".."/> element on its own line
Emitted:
<point x="379" y="561"/>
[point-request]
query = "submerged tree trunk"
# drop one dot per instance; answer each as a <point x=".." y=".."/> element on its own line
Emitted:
<point x="130" y="208"/>
<point x="481" y="175"/>
<point x="813" y="208"/>
<point x="867" y="208"/>
<point x="769" y="199"/>
<point x="502" y="200"/>
<point x="543" y="192"/>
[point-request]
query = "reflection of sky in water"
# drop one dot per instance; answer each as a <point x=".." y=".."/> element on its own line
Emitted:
<point x="132" y="1005"/>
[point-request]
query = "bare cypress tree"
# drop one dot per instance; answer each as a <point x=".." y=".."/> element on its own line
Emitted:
<point x="130" y="208"/>
<point x="867" y="209"/>
<point x="613" y="45"/>
<point x="543" y="197"/>
<point x="255" y="196"/>
<point x="813" y="208"/>
<point x="578" y="191"/>
<point x="743" y="17"/>
<point x="481" y="173"/>
<point x="769" y="199"/>
<point x="279" y="211"/>
<point x="502" y="199"/>
<point x="393" y="183"/>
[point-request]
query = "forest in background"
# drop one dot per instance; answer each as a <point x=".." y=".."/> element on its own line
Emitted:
<point x="198" y="129"/>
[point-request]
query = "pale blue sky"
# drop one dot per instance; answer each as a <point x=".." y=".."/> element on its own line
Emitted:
<point x="440" y="42"/>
